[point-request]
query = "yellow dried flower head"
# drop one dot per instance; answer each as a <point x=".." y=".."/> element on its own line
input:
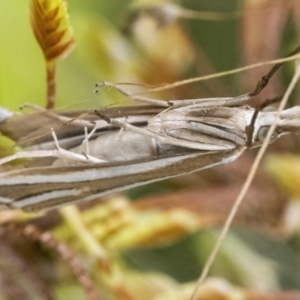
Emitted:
<point x="51" y="27"/>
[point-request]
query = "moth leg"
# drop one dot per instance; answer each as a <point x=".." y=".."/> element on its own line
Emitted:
<point x="29" y="154"/>
<point x="202" y="102"/>
<point x="87" y="136"/>
<point x="66" y="120"/>
<point x="134" y="97"/>
<point x="86" y="140"/>
<point x="58" y="152"/>
<point x="121" y="129"/>
<point x="213" y="102"/>
<point x="119" y="133"/>
<point x="74" y="156"/>
<point x="163" y="138"/>
<point x="50" y="153"/>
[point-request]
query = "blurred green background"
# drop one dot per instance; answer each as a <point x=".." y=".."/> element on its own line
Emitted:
<point x="103" y="53"/>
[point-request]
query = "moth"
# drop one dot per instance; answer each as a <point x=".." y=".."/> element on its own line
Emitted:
<point x="88" y="155"/>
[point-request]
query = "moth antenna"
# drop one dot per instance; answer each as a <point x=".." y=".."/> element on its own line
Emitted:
<point x="263" y="82"/>
<point x="119" y="133"/>
<point x="130" y="95"/>
<point x="86" y="140"/>
<point x="55" y="139"/>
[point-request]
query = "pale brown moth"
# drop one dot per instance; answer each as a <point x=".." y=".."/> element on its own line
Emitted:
<point x="110" y="150"/>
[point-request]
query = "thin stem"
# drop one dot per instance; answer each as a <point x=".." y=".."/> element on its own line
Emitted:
<point x="50" y="84"/>
<point x="68" y="256"/>
<point x="245" y="187"/>
<point x="216" y="75"/>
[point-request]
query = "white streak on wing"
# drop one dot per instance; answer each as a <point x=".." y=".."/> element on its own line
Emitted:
<point x="229" y="159"/>
<point x="5" y="200"/>
<point x="45" y="197"/>
<point x="91" y="174"/>
<point x="120" y="189"/>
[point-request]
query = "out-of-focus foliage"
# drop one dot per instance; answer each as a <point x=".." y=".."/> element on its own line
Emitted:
<point x="154" y="248"/>
<point x="286" y="170"/>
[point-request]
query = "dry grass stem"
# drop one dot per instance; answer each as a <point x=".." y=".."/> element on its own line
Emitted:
<point x="245" y="187"/>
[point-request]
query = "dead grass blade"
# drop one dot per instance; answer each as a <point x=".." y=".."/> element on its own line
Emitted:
<point x="217" y="75"/>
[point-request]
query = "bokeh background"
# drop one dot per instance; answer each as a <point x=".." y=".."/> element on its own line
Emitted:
<point x="151" y="242"/>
